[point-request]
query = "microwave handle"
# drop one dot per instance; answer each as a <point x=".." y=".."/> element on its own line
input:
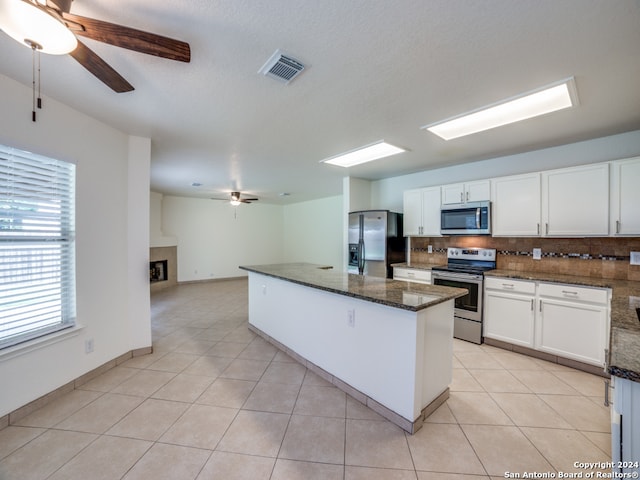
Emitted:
<point x="478" y="218"/>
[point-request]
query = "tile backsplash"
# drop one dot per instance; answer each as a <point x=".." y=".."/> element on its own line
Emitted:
<point x="601" y="257"/>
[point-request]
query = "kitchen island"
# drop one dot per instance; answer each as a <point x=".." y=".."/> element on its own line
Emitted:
<point x="386" y="343"/>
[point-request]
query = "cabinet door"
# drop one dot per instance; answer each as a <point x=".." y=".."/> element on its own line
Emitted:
<point x="516" y="205"/>
<point x="477" y="191"/>
<point x="412" y="209"/>
<point x="431" y="212"/>
<point x="625" y="197"/>
<point x="509" y="318"/>
<point x="575" y="201"/>
<point x="572" y="330"/>
<point x="452" y="193"/>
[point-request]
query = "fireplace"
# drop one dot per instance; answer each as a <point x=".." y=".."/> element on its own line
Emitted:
<point x="163" y="268"/>
<point x="158" y="271"/>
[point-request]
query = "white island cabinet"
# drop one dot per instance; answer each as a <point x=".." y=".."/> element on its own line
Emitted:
<point x="387" y="343"/>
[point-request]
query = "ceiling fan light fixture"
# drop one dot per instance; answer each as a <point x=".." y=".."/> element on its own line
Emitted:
<point x="235" y="199"/>
<point x="368" y="153"/>
<point x="551" y="98"/>
<point x="29" y="24"/>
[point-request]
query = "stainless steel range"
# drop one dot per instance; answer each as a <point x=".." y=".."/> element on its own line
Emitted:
<point x="465" y="269"/>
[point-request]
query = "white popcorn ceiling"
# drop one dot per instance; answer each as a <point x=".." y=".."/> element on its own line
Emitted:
<point x="375" y="69"/>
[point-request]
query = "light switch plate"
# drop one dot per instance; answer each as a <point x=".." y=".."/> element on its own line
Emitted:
<point x="635" y="258"/>
<point x="537" y="253"/>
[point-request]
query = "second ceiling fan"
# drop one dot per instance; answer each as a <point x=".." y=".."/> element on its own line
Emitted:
<point x="36" y="23"/>
<point x="236" y="200"/>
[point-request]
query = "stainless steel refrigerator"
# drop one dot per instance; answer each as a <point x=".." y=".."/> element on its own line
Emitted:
<point x="375" y="242"/>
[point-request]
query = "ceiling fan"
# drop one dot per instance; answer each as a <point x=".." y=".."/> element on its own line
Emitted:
<point x="235" y="199"/>
<point x="47" y="26"/>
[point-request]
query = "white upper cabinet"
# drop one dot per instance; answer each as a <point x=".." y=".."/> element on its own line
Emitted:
<point x="466" y="192"/>
<point x="515" y="205"/>
<point x="412" y="212"/>
<point x="625" y="197"/>
<point x="575" y="201"/>
<point x="422" y="212"/>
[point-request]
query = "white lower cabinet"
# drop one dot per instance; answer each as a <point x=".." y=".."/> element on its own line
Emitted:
<point x="572" y="330"/>
<point x="509" y="311"/>
<point x="412" y="275"/>
<point x="564" y="320"/>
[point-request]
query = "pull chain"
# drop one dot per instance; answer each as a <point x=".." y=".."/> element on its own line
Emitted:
<point x="34" y="46"/>
<point x="33" y="82"/>
<point x="39" y="82"/>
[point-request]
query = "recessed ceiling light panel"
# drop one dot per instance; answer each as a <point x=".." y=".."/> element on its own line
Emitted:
<point x="364" y="154"/>
<point x="550" y="98"/>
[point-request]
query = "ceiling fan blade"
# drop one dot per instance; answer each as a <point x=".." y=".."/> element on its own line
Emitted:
<point x="101" y="69"/>
<point x="130" y="38"/>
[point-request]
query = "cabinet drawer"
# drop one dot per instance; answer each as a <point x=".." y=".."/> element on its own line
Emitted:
<point x="510" y="285"/>
<point x="573" y="292"/>
<point x="412" y="275"/>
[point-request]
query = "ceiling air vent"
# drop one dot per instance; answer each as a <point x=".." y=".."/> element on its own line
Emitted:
<point x="282" y="67"/>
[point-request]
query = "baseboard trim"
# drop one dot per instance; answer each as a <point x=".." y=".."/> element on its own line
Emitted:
<point x="38" y="403"/>
<point x="567" y="362"/>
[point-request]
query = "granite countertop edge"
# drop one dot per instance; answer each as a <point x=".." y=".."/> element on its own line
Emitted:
<point x="413" y="266"/>
<point x="267" y="270"/>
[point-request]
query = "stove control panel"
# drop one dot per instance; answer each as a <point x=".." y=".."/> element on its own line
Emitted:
<point x="485" y="254"/>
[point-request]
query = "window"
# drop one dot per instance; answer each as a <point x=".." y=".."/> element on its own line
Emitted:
<point x="37" y="246"/>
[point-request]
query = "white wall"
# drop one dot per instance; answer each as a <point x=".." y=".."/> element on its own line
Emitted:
<point x="387" y="193"/>
<point x="214" y="238"/>
<point x="157" y="236"/>
<point x="313" y="232"/>
<point x="112" y="180"/>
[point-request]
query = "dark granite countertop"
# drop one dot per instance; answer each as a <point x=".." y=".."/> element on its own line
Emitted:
<point x="392" y="293"/>
<point x="624" y="347"/>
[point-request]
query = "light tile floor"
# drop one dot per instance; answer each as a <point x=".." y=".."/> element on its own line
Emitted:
<point x="216" y="402"/>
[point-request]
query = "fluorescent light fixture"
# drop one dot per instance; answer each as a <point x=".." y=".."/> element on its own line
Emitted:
<point x="31" y="25"/>
<point x="554" y="97"/>
<point x="364" y="154"/>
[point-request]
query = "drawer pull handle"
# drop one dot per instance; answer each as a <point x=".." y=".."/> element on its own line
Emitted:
<point x="568" y="292"/>
<point x="411" y="274"/>
<point x="507" y="285"/>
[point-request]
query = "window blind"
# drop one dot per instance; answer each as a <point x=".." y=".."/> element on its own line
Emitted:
<point x="37" y="246"/>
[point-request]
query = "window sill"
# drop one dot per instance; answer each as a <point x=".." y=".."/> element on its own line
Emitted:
<point x="40" y="342"/>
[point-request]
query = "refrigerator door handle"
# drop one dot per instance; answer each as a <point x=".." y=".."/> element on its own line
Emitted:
<point x="361" y="253"/>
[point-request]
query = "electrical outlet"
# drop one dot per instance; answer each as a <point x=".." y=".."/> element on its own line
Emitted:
<point x="351" y="318"/>
<point x="635" y="258"/>
<point x="430" y="249"/>
<point x="537" y="253"/>
<point x="88" y="345"/>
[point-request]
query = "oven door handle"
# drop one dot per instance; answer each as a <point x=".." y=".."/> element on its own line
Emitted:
<point x="468" y="277"/>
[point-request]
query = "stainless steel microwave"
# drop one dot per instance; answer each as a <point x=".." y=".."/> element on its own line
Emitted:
<point x="473" y="218"/>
